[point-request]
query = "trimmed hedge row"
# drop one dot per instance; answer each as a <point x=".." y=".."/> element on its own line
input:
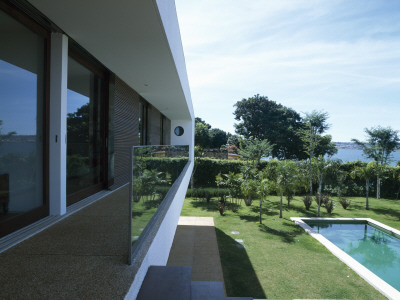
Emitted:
<point x="171" y="165"/>
<point x="206" y="169"/>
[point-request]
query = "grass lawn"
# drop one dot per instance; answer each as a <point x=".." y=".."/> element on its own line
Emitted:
<point x="279" y="259"/>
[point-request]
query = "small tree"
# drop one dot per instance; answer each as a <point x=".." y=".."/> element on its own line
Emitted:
<point x="249" y="184"/>
<point x="380" y="144"/>
<point x="286" y="180"/>
<point x="254" y="149"/>
<point x="315" y="143"/>
<point x="321" y="167"/>
<point x="262" y="190"/>
<point x="366" y="172"/>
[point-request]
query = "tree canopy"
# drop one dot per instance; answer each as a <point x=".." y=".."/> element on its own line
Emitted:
<point x="294" y="137"/>
<point x="380" y="144"/>
<point x="262" y="118"/>
<point x="315" y="143"/>
<point x="207" y="137"/>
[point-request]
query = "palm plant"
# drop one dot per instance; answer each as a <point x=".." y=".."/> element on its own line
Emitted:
<point x="365" y="172"/>
<point x="286" y="180"/>
<point x="321" y="168"/>
<point x="262" y="190"/>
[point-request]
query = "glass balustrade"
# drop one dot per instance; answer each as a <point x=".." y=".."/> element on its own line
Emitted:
<point x="155" y="169"/>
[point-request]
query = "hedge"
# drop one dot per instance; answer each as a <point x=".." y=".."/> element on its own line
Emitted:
<point x="171" y="165"/>
<point x="206" y="169"/>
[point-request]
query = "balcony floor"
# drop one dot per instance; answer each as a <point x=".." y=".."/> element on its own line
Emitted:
<point x="82" y="256"/>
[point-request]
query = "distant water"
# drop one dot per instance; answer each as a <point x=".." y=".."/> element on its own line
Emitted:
<point x="357" y="154"/>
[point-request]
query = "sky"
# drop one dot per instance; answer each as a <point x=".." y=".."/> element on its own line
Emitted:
<point x="337" y="56"/>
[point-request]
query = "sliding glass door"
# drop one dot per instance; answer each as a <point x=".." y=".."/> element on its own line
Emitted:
<point x="22" y="122"/>
<point x="85" y="130"/>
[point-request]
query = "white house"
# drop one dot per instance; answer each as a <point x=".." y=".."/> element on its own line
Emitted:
<point x="81" y="82"/>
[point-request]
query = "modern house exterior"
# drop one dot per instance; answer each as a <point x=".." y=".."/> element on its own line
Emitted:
<point x="81" y="82"/>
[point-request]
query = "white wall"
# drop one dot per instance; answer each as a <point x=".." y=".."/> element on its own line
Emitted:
<point x="58" y="123"/>
<point x="167" y="11"/>
<point x="188" y="136"/>
<point x="159" y="250"/>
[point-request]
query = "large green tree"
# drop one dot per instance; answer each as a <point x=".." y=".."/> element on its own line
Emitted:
<point x="202" y="135"/>
<point x="262" y="119"/>
<point x="207" y="137"/>
<point x="218" y="137"/>
<point x="380" y="144"/>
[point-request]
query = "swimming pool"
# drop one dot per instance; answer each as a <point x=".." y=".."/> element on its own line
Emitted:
<point x="370" y="248"/>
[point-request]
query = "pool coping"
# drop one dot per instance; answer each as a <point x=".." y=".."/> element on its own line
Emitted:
<point x="378" y="283"/>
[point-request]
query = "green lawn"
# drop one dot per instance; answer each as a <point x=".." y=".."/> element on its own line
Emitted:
<point x="279" y="259"/>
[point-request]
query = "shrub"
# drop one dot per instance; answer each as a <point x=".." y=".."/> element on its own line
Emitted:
<point x="307" y="200"/>
<point x="221" y="206"/>
<point x="344" y="202"/>
<point x="203" y="193"/>
<point x="324" y="199"/>
<point x="330" y="205"/>
<point x="249" y="191"/>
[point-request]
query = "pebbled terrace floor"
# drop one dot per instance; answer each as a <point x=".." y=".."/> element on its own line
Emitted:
<point x="84" y="256"/>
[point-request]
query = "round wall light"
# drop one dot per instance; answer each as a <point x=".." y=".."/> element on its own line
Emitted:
<point x="179" y="130"/>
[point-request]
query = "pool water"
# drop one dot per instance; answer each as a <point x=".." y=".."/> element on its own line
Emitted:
<point x="373" y="248"/>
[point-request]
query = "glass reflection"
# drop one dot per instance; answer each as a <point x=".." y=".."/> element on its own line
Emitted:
<point x="155" y="169"/>
<point x="83" y="128"/>
<point x="21" y="119"/>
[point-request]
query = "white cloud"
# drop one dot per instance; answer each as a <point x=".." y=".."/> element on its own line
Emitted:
<point x="304" y="54"/>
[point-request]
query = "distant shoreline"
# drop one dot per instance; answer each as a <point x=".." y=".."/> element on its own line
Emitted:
<point x="349" y="145"/>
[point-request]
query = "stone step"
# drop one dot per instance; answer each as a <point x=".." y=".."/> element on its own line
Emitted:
<point x="166" y="283"/>
<point x="207" y="290"/>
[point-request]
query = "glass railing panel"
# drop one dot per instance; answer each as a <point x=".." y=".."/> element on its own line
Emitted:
<point x="154" y="171"/>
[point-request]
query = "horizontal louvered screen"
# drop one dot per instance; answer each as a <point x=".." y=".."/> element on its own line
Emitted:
<point x="154" y="126"/>
<point x="126" y="130"/>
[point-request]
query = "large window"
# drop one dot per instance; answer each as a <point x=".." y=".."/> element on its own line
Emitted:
<point x="22" y="122"/>
<point x="85" y="130"/>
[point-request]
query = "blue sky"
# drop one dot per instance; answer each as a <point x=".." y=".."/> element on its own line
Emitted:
<point x="342" y="57"/>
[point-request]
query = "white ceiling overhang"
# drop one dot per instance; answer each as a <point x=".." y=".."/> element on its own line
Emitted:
<point x="134" y="39"/>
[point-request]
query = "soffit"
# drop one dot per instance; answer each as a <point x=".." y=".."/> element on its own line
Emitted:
<point x="128" y="37"/>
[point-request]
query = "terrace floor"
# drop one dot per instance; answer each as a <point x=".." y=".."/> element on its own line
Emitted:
<point x="82" y="256"/>
<point x="85" y="255"/>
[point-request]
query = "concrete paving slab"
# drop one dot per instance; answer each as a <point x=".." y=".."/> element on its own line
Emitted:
<point x="207" y="290"/>
<point x="196" y="221"/>
<point x="196" y="246"/>
<point x="166" y="283"/>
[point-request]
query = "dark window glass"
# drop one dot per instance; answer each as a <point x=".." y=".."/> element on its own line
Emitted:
<point x="84" y="134"/>
<point x="179" y="130"/>
<point x="142" y="123"/>
<point x="22" y="75"/>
